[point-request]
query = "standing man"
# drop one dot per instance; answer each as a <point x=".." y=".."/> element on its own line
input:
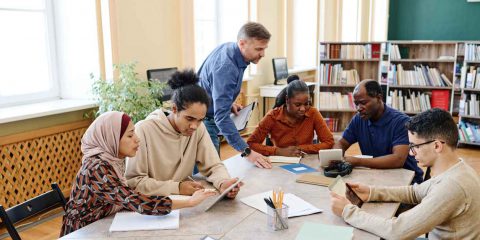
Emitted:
<point x="380" y="132"/>
<point x="221" y="75"/>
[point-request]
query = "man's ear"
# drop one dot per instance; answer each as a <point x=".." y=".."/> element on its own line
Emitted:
<point x="242" y="43"/>
<point x="439" y="146"/>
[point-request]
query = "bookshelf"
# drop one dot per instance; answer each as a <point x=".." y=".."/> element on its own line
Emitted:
<point x="421" y="75"/>
<point x="341" y="66"/>
<point x="469" y="105"/>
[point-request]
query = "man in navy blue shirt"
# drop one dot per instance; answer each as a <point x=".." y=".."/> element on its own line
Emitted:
<point x="221" y="75"/>
<point x="380" y="132"/>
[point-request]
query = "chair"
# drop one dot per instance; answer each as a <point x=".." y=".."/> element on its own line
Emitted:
<point x="34" y="206"/>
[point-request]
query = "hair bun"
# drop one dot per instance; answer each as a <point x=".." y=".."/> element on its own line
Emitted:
<point x="183" y="78"/>
<point x="292" y="78"/>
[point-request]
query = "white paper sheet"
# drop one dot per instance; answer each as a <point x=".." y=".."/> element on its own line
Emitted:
<point x="133" y="221"/>
<point x="282" y="159"/>
<point x="297" y="206"/>
<point x="243" y="116"/>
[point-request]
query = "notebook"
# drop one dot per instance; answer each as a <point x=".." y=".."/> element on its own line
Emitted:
<point x="298" y="168"/>
<point x="241" y="119"/>
<point x="133" y="221"/>
<point x="282" y="159"/>
<point x="296" y="206"/>
<point x="314" y="231"/>
<point x="315" y="179"/>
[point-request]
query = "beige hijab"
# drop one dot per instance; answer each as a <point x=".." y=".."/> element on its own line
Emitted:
<point x="102" y="139"/>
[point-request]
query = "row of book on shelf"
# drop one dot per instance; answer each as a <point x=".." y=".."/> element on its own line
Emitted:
<point x="332" y="124"/>
<point x="470" y="77"/>
<point x="336" y="101"/>
<point x="335" y="74"/>
<point x="351" y="51"/>
<point x="413" y="101"/>
<point x="472" y="52"/>
<point x="468" y="132"/>
<point x="470" y="105"/>
<point x="420" y="76"/>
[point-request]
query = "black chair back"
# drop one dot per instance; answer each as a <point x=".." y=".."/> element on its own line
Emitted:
<point x="31" y="207"/>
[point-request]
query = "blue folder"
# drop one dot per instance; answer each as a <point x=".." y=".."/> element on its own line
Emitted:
<point x="298" y="168"/>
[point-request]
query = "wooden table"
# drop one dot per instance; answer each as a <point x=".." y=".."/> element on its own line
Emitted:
<point x="231" y="219"/>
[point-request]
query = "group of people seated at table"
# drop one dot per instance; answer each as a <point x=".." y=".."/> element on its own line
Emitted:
<point x="127" y="166"/>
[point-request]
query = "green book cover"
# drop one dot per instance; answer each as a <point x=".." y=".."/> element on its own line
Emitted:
<point x="314" y="231"/>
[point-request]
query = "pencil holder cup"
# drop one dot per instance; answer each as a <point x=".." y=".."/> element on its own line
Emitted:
<point x="277" y="219"/>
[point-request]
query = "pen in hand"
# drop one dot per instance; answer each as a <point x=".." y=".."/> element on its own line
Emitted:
<point x="193" y="180"/>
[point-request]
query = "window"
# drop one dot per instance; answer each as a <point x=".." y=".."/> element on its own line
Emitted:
<point x="379" y="20"/>
<point x="217" y="22"/>
<point x="27" y="51"/>
<point x="350" y="20"/>
<point x="48" y="50"/>
<point x="304" y="33"/>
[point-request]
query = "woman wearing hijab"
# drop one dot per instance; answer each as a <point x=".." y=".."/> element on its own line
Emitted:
<point x="100" y="188"/>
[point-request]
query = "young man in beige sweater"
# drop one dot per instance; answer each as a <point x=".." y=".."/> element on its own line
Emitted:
<point x="171" y="143"/>
<point x="447" y="205"/>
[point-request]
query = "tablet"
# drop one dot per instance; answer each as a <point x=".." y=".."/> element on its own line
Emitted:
<point x="328" y="155"/>
<point x="220" y="197"/>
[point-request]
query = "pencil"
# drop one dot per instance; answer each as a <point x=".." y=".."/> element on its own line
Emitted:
<point x="191" y="179"/>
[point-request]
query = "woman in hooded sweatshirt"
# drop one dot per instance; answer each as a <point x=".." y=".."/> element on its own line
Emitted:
<point x="100" y="188"/>
<point x="171" y="143"/>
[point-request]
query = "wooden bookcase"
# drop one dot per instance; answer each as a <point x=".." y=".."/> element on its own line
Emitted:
<point x="415" y="81"/>
<point x="469" y="117"/>
<point x="341" y="66"/>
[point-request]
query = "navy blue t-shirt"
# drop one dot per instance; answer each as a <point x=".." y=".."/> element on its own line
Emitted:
<point x="378" y="138"/>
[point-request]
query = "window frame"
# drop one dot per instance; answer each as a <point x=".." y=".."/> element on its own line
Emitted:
<point x="54" y="92"/>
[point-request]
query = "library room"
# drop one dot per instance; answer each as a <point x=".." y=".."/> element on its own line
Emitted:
<point x="239" y="119"/>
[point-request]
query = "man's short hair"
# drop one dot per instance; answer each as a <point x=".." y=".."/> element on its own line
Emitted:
<point x="373" y="88"/>
<point x="434" y="124"/>
<point x="253" y="30"/>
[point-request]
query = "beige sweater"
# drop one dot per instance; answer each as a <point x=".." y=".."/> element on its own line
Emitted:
<point x="165" y="157"/>
<point x="448" y="207"/>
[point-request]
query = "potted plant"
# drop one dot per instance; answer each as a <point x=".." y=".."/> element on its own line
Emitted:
<point x="129" y="94"/>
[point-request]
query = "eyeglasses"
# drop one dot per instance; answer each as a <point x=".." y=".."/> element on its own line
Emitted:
<point x="412" y="146"/>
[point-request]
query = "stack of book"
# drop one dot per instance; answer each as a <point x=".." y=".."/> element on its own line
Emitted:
<point x="335" y="74"/>
<point x="472" y="52"/>
<point x="332" y="123"/>
<point x="470" y="77"/>
<point x="420" y="76"/>
<point x="470" y="105"/>
<point x="336" y="101"/>
<point x="468" y="132"/>
<point x="409" y="101"/>
<point x="336" y="51"/>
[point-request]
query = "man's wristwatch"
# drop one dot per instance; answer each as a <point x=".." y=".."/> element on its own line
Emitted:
<point x="246" y="152"/>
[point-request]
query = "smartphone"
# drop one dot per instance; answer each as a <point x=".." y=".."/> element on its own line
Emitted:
<point x="352" y="196"/>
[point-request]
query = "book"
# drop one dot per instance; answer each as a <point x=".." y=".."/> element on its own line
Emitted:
<point x="440" y="99"/>
<point x="282" y="159"/>
<point x="314" y="231"/>
<point x="298" y="168"/>
<point x="314" y="179"/>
